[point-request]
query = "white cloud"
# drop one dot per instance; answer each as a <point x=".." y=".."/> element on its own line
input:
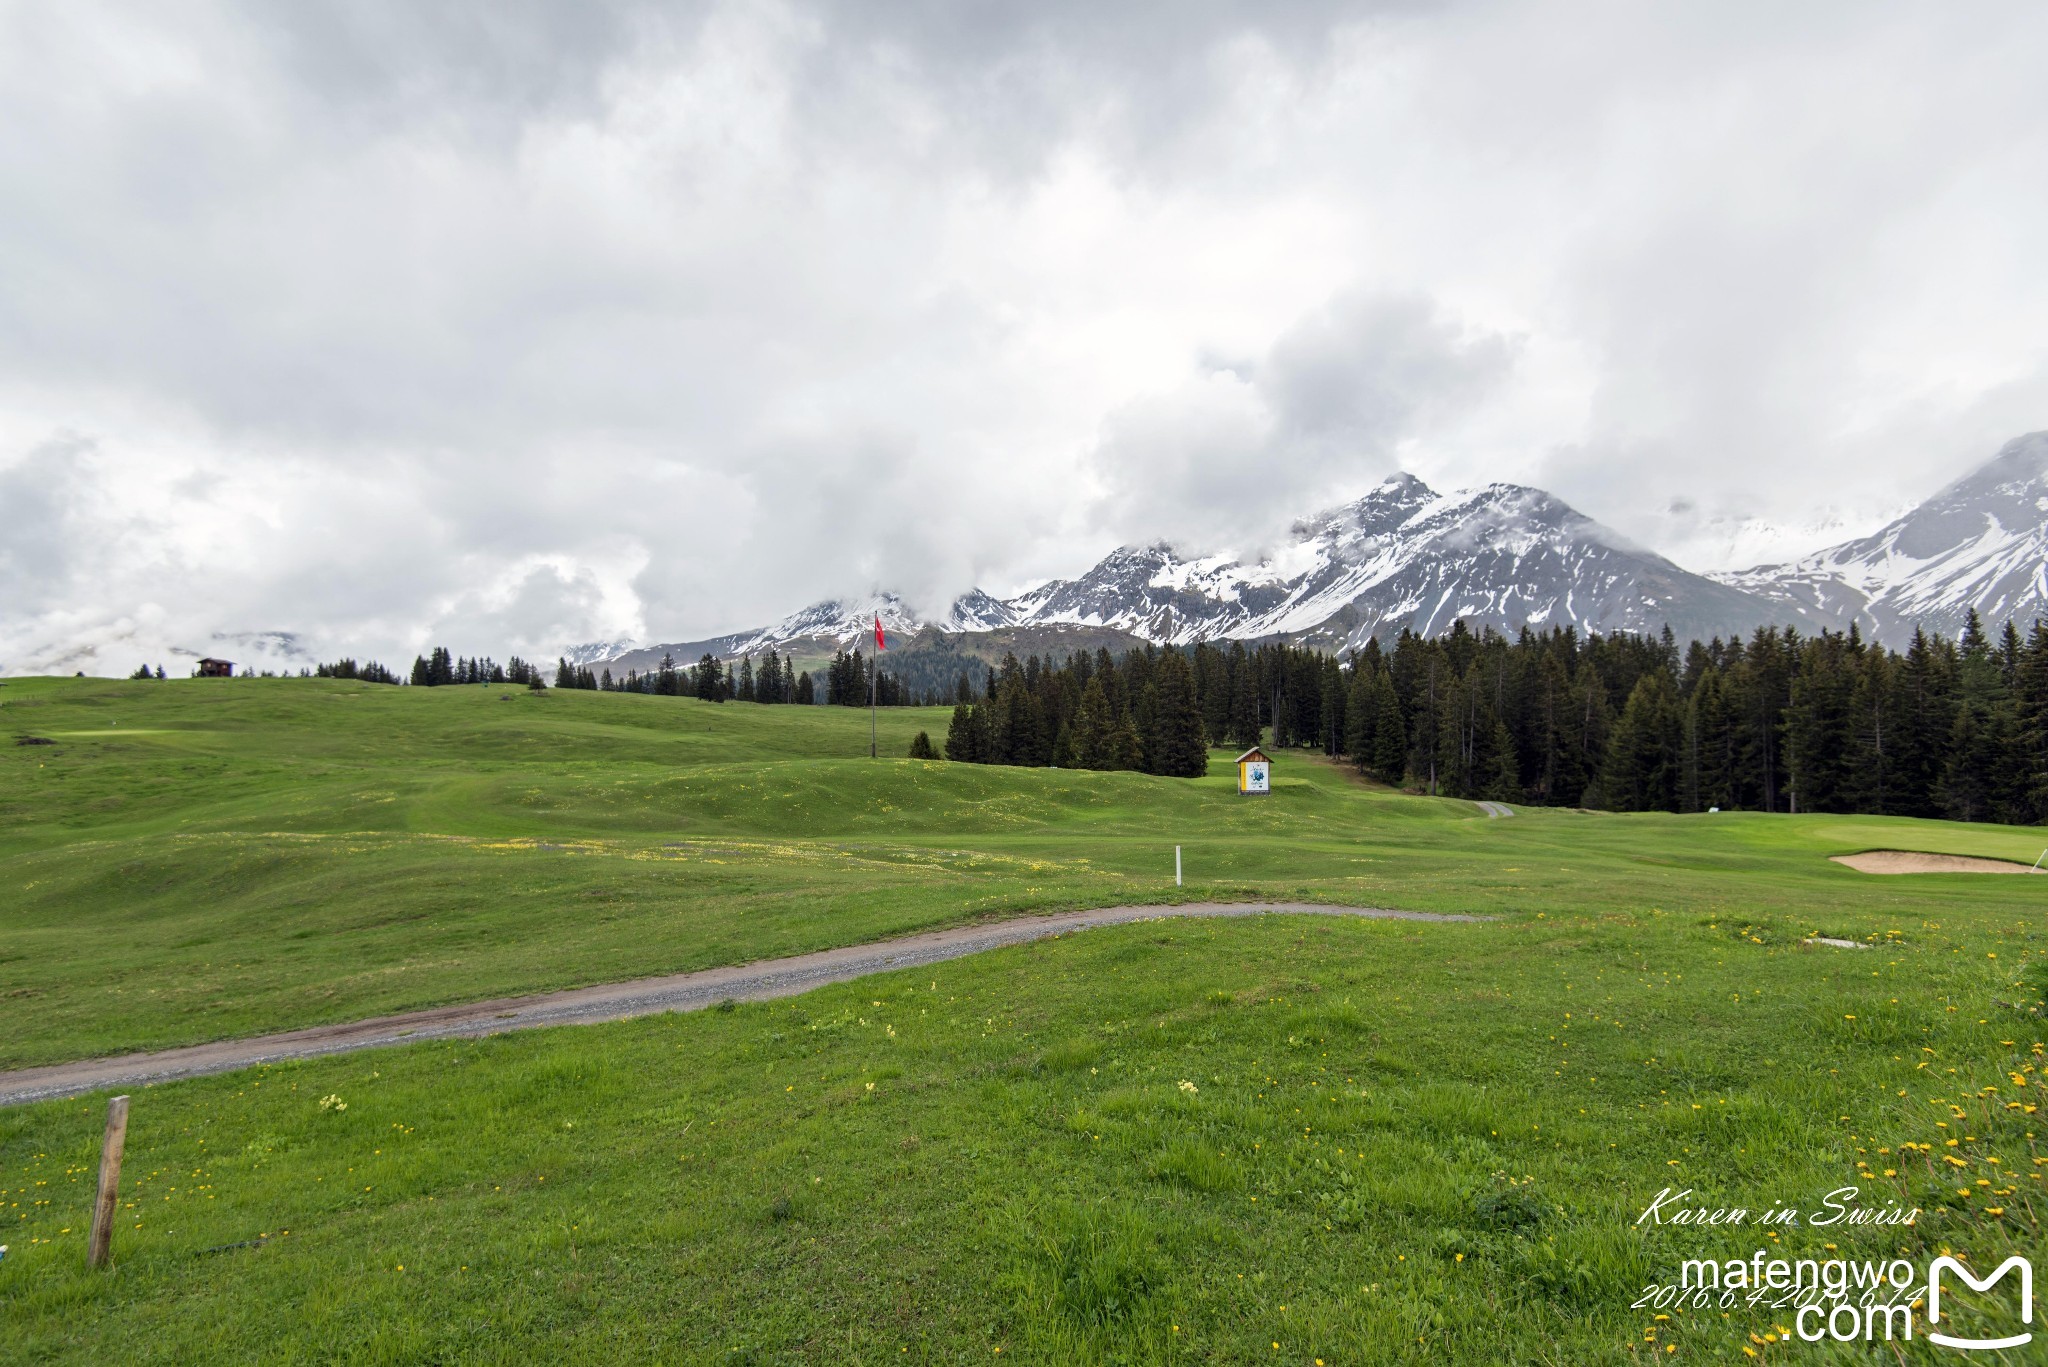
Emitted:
<point x="387" y="324"/>
<point x="1235" y="455"/>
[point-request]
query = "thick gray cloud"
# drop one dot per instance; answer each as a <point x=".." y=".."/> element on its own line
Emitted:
<point x="1240" y="452"/>
<point x="507" y="324"/>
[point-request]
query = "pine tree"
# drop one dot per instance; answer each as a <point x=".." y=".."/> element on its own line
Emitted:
<point x="1019" y="727"/>
<point x="1505" y="785"/>
<point x="1710" y="745"/>
<point x="1089" y="735"/>
<point x="1591" y="719"/>
<point x="1870" y="780"/>
<point x="710" y="679"/>
<point x="921" y="747"/>
<point x="1244" y="700"/>
<point x="1760" y="688"/>
<point x="1925" y="714"/>
<point x="1964" y="791"/>
<point x="1390" y="735"/>
<point x="960" y="736"/>
<point x="1361" y="714"/>
<point x="1426" y="731"/>
<point x="744" y="691"/>
<point x="1330" y="704"/>
<point x="857" y="694"/>
<point x="1817" y="726"/>
<point x="2030" y="725"/>
<point x="1641" y="773"/>
<point x="1179" y="749"/>
<point x="1550" y="710"/>
<point x="1122" y="748"/>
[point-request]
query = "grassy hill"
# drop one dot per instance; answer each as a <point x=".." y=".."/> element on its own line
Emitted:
<point x="1266" y="1140"/>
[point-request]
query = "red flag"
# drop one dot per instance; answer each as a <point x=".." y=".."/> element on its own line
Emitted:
<point x="880" y="644"/>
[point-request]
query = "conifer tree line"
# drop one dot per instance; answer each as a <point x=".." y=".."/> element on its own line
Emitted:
<point x="1143" y="712"/>
<point x="1781" y="722"/>
<point x="1778" y="723"/>
<point x="369" y="671"/>
<point x="846" y="683"/>
<point x="439" y="668"/>
<point x="775" y="680"/>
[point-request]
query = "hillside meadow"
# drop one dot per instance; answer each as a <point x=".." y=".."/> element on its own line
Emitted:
<point x="1269" y="1140"/>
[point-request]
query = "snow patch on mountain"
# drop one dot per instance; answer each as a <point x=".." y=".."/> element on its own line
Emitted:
<point x="597" y="652"/>
<point x="1981" y="542"/>
<point x="1401" y="556"/>
<point x="1405" y="556"/>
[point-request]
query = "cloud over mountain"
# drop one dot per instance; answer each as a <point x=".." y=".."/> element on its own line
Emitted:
<point x="385" y="324"/>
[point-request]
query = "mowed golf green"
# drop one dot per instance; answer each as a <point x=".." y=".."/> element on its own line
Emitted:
<point x="1277" y="1139"/>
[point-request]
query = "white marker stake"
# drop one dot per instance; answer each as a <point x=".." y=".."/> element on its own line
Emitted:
<point x="2037" y="862"/>
<point x="1176" y="866"/>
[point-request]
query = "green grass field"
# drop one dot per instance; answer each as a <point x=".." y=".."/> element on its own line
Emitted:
<point x="1273" y="1140"/>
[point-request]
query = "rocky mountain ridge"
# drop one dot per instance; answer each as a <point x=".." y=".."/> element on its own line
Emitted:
<point x="1505" y="556"/>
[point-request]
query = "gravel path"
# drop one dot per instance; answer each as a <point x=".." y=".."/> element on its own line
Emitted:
<point x="1496" y="809"/>
<point x="760" y="981"/>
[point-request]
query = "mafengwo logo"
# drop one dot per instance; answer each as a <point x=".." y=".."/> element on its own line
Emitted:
<point x="2026" y="1271"/>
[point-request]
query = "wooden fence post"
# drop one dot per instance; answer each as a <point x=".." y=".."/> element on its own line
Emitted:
<point x="110" y="1183"/>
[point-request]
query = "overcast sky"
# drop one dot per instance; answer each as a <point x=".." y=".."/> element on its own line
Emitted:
<point x="514" y="324"/>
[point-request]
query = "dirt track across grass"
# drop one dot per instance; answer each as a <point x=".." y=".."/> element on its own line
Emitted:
<point x="760" y="981"/>
<point x="1911" y="861"/>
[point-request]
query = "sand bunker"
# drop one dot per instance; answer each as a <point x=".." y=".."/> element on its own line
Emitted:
<point x="1909" y="861"/>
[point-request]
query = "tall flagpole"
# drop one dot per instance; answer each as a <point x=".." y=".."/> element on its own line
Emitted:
<point x="874" y="674"/>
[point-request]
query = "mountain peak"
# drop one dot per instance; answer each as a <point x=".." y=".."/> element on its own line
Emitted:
<point x="2020" y="469"/>
<point x="2031" y="447"/>
<point x="1404" y="557"/>
<point x="1982" y="543"/>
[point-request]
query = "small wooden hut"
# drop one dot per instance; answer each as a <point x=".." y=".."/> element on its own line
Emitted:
<point x="1254" y="772"/>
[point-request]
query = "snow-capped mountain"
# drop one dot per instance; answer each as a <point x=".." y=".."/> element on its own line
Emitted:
<point x="1981" y="542"/>
<point x="1505" y="556"/>
<point x="597" y="652"/>
<point x="822" y="628"/>
<point x="1403" y="556"/>
<point x="978" y="611"/>
<point x="838" y="619"/>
